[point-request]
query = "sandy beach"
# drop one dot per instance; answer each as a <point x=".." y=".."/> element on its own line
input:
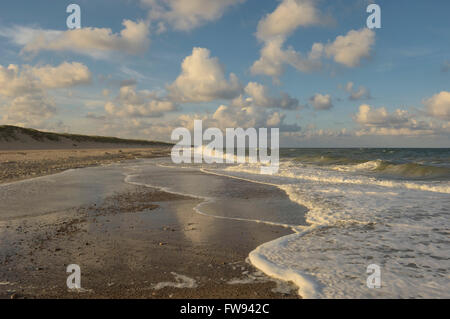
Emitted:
<point x="130" y="241"/>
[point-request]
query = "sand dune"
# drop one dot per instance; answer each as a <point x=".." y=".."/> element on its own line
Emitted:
<point x="18" y="138"/>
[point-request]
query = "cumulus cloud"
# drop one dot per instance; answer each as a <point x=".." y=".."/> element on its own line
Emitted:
<point x="438" y="105"/>
<point x="287" y="17"/>
<point x="186" y="15"/>
<point x="349" y="49"/>
<point x="357" y="94"/>
<point x="227" y="116"/>
<point x="64" y="75"/>
<point x="95" y="42"/>
<point x="259" y="96"/>
<point x="274" y="57"/>
<point x="132" y="103"/>
<point x="321" y="101"/>
<point x="379" y="121"/>
<point x="15" y="81"/>
<point x="380" y="117"/>
<point x="29" y="110"/>
<point x="274" y="28"/>
<point x="24" y="90"/>
<point x="202" y="79"/>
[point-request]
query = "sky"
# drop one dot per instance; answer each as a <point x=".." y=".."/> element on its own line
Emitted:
<point x="312" y="68"/>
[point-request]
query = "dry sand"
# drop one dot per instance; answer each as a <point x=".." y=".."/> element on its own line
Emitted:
<point x="21" y="164"/>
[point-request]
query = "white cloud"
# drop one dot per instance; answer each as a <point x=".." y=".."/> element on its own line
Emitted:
<point x="438" y="105"/>
<point x="274" y="28"/>
<point x="187" y="15"/>
<point x="64" y="75"/>
<point x="15" y="81"/>
<point x="287" y="17"/>
<point x="24" y="90"/>
<point x="133" y="104"/>
<point x="250" y="116"/>
<point x="274" y="57"/>
<point x="202" y="79"/>
<point x="357" y="94"/>
<point x="259" y="96"/>
<point x="380" y="117"/>
<point x="378" y="121"/>
<point x="95" y="42"/>
<point x="29" y="110"/>
<point x="321" y="101"/>
<point x="349" y="49"/>
<point x="229" y="116"/>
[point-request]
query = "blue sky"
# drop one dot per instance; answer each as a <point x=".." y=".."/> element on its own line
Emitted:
<point x="97" y="80"/>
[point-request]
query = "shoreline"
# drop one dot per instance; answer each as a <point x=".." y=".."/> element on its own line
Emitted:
<point x="217" y="268"/>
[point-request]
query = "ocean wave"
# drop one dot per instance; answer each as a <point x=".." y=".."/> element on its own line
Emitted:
<point x="287" y="170"/>
<point x="406" y="170"/>
<point x="427" y="164"/>
<point x="326" y="160"/>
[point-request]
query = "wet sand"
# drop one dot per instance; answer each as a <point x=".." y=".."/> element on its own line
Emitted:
<point x="139" y="242"/>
